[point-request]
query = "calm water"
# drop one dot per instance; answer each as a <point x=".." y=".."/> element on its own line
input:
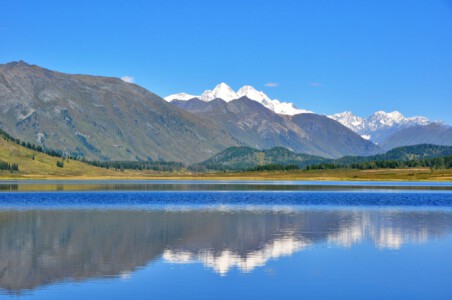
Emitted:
<point x="168" y="240"/>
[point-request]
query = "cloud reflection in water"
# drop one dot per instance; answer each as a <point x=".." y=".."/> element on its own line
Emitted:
<point x="41" y="247"/>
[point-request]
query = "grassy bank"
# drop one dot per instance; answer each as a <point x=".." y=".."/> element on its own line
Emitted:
<point x="328" y="175"/>
<point x="422" y="174"/>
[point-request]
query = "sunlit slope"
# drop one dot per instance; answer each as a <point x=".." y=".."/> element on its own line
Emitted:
<point x="43" y="164"/>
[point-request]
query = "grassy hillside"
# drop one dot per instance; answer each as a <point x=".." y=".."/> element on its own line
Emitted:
<point x="43" y="164"/>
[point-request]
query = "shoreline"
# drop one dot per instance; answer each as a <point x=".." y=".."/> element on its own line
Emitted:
<point x="390" y="175"/>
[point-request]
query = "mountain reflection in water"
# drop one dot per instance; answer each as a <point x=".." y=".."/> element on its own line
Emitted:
<point x="40" y="247"/>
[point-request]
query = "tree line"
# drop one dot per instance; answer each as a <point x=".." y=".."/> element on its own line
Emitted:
<point x="433" y="163"/>
<point x="275" y="167"/>
<point x="8" y="167"/>
<point x="164" y="166"/>
<point x="31" y="146"/>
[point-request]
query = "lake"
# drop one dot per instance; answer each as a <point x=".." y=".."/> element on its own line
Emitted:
<point x="225" y="240"/>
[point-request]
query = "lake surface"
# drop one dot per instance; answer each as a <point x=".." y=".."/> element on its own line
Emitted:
<point x="267" y="240"/>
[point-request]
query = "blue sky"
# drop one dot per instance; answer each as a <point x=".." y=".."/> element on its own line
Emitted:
<point x="326" y="56"/>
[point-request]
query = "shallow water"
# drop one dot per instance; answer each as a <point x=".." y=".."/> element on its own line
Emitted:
<point x="347" y="244"/>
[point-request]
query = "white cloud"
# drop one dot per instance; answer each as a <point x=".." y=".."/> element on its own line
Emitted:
<point x="128" y="79"/>
<point x="271" y="84"/>
<point x="315" y="84"/>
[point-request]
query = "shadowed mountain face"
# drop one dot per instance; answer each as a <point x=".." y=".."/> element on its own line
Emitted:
<point x="257" y="126"/>
<point x="326" y="133"/>
<point x="251" y="123"/>
<point x="101" y="117"/>
<point x="436" y="134"/>
<point x="40" y="247"/>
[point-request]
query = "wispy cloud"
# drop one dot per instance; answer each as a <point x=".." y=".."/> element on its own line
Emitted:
<point x="272" y="84"/>
<point x="315" y="84"/>
<point x="128" y="79"/>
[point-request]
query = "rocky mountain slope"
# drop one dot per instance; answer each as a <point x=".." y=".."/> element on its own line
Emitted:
<point x="325" y="133"/>
<point x="101" y="118"/>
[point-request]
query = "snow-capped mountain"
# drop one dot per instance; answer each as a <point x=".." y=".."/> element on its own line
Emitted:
<point x="226" y="93"/>
<point x="221" y="91"/>
<point x="376" y="128"/>
<point x="348" y="119"/>
<point x="379" y="125"/>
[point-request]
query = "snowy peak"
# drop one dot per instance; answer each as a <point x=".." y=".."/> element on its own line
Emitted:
<point x="382" y="119"/>
<point x="387" y="119"/>
<point x="221" y="91"/>
<point x="348" y="119"/>
<point x="377" y="120"/>
<point x="226" y="93"/>
<point x="379" y="125"/>
<point x="251" y="93"/>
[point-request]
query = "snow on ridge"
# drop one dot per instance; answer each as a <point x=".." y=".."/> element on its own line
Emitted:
<point x="226" y="93"/>
<point x="179" y="96"/>
<point x="377" y="121"/>
<point x="380" y="120"/>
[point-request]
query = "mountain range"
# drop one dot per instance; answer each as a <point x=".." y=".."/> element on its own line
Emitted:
<point x="257" y="126"/>
<point x="380" y="125"/>
<point x="105" y="118"/>
<point x="377" y="128"/>
<point x="225" y="92"/>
